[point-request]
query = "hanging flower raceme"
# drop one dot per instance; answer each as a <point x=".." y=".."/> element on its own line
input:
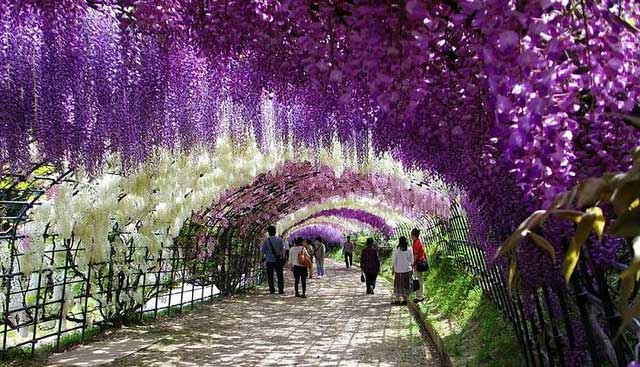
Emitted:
<point x="366" y="218"/>
<point x="328" y="233"/>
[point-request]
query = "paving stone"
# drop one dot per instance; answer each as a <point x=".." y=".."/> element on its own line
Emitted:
<point x="338" y="325"/>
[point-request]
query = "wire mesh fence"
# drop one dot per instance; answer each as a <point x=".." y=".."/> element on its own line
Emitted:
<point x="49" y="291"/>
<point x="556" y="325"/>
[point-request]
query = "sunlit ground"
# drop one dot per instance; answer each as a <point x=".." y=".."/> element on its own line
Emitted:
<point x="338" y="325"/>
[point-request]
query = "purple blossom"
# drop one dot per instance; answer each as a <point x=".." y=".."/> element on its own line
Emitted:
<point x="328" y="233"/>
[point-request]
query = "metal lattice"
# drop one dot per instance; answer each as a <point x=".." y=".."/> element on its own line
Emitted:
<point x="61" y="295"/>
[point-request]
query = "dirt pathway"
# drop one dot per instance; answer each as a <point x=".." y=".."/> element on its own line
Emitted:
<point x="338" y="325"/>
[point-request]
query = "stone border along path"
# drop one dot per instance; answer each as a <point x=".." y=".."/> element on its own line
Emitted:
<point x="338" y="325"/>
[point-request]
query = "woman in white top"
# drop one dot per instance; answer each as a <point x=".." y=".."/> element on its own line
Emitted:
<point x="402" y="268"/>
<point x="300" y="272"/>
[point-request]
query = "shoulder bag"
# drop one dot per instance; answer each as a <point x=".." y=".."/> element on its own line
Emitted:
<point x="422" y="265"/>
<point x="415" y="284"/>
<point x="303" y="259"/>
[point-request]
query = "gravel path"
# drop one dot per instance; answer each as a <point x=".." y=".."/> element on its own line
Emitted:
<point x="337" y="325"/>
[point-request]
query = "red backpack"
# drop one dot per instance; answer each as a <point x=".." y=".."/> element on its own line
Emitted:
<point x="303" y="259"/>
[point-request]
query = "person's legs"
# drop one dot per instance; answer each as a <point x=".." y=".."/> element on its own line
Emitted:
<point x="350" y="259"/>
<point x="322" y="265"/>
<point x="371" y="282"/>
<point x="270" y="269"/>
<point x="296" y="276"/>
<point x="280" y="274"/>
<point x="310" y="269"/>
<point x="396" y="288"/>
<point x="367" y="278"/>
<point x="406" y="287"/>
<point x="304" y="282"/>
<point x="346" y="259"/>
<point x="420" y="292"/>
<point x="318" y="268"/>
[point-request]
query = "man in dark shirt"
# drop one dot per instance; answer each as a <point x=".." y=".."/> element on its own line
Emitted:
<point x="348" y="252"/>
<point x="370" y="265"/>
<point x="273" y="250"/>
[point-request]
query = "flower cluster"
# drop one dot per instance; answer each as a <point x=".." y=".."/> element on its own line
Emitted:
<point x="367" y="218"/>
<point x="525" y="97"/>
<point x="328" y="233"/>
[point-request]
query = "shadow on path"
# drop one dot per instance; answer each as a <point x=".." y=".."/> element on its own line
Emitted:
<point x="338" y="325"/>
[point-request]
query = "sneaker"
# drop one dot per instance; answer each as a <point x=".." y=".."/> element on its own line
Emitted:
<point x="395" y="303"/>
<point x="372" y="292"/>
<point x="303" y="296"/>
<point x="281" y="293"/>
<point x="418" y="300"/>
<point x="297" y="294"/>
<point x="403" y="303"/>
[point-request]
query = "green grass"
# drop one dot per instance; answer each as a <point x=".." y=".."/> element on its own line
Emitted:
<point x="473" y="331"/>
<point x="22" y="356"/>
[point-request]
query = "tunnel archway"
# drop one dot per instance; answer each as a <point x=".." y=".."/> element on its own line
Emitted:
<point x="169" y="126"/>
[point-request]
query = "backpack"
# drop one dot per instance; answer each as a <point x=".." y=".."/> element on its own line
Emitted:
<point x="303" y="259"/>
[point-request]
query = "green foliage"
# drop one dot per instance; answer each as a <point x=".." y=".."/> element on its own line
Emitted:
<point x="474" y="332"/>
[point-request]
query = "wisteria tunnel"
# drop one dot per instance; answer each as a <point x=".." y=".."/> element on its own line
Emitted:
<point x="147" y="145"/>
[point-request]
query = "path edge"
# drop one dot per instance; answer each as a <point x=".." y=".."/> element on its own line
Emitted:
<point x="436" y="340"/>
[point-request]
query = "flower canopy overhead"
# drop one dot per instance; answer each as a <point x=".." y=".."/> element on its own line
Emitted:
<point x="506" y="103"/>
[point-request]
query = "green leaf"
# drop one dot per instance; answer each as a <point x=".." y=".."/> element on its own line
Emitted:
<point x="625" y="195"/>
<point x="511" y="243"/>
<point x="513" y="269"/>
<point x="572" y="215"/>
<point x="627" y="225"/>
<point x="573" y="253"/>
<point x="563" y="199"/>
<point x="627" y="282"/>
<point x="544" y="244"/>
<point x="598" y="221"/>
<point x="631" y="120"/>
<point x="590" y="190"/>
<point x="628" y="314"/>
<point x="508" y="246"/>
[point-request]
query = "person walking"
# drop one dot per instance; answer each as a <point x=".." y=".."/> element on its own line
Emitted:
<point x="310" y="252"/>
<point x="286" y="247"/>
<point x="419" y="263"/>
<point x="300" y="271"/>
<point x="272" y="248"/>
<point x="347" y="248"/>
<point x="319" y="253"/>
<point x="370" y="265"/>
<point x="401" y="268"/>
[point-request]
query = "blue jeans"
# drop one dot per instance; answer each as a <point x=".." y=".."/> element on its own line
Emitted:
<point x="320" y="266"/>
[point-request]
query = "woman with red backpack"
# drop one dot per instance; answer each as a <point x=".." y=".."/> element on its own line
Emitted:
<point x="299" y="260"/>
